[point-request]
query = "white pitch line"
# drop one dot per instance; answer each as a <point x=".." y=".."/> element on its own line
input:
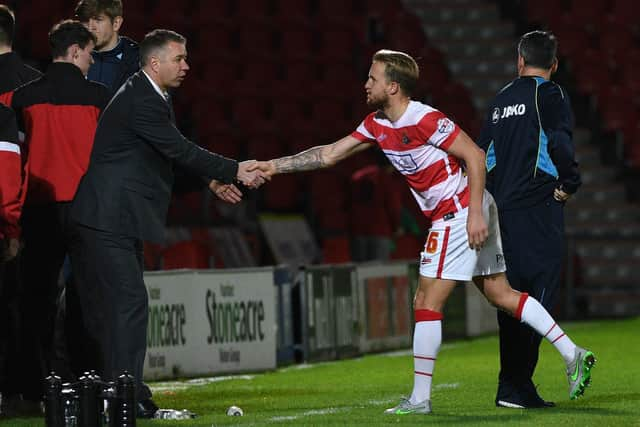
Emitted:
<point x="195" y="382"/>
<point x="309" y="413"/>
<point x="446" y="386"/>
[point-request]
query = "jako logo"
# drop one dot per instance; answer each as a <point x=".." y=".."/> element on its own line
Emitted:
<point x="511" y="110"/>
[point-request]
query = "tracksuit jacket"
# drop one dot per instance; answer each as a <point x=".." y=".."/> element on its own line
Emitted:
<point x="526" y="161"/>
<point x="59" y="114"/>
<point x="14" y="74"/>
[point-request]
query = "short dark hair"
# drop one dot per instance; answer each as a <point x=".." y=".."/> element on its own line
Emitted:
<point x="87" y="9"/>
<point x="67" y="33"/>
<point x="7" y="25"/>
<point x="538" y="49"/>
<point x="155" y="40"/>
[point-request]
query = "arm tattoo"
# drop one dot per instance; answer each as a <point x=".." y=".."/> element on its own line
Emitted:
<point x="307" y="160"/>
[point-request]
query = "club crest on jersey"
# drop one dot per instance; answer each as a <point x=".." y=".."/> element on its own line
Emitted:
<point x="404" y="163"/>
<point x="405" y="139"/>
<point x="445" y="125"/>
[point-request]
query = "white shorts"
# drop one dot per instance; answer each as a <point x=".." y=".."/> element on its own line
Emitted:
<point x="447" y="254"/>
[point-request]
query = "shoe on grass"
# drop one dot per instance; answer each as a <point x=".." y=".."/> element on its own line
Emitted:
<point x="405" y="407"/>
<point x="579" y="372"/>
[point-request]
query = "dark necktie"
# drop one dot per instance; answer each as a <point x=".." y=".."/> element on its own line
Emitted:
<point x="170" y="103"/>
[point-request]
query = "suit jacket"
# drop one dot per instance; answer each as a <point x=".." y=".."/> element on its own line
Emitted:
<point x="127" y="188"/>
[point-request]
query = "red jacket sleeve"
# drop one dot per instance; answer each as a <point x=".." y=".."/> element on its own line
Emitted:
<point x="11" y="176"/>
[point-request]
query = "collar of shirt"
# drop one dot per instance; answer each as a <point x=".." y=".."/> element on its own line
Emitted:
<point x="164" y="95"/>
<point x="117" y="50"/>
<point x="9" y="58"/>
<point x="64" y="71"/>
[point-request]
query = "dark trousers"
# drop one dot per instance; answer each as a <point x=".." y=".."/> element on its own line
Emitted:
<point x="45" y="237"/>
<point x="533" y="243"/>
<point x="113" y="299"/>
<point x="10" y="336"/>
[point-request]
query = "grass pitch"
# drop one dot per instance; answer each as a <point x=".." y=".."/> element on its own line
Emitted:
<point x="355" y="392"/>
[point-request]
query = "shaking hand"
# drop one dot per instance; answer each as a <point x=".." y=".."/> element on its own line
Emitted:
<point x="251" y="175"/>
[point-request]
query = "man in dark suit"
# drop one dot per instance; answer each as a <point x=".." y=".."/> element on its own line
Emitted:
<point x="123" y="200"/>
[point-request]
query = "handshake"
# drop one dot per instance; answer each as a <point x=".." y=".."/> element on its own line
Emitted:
<point x="251" y="173"/>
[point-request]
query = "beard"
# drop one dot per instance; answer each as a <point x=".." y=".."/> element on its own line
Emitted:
<point x="377" y="103"/>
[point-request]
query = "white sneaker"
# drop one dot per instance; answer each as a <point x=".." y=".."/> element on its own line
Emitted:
<point x="405" y="407"/>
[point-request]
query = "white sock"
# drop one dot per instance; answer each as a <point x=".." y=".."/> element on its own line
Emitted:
<point x="426" y="343"/>
<point x="535" y="315"/>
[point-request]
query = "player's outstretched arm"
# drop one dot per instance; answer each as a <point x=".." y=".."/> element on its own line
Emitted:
<point x="318" y="157"/>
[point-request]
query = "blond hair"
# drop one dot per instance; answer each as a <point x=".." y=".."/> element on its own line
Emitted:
<point x="400" y="68"/>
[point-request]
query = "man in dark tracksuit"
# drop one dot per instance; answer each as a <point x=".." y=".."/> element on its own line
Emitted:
<point x="531" y="172"/>
<point x="13" y="73"/>
<point x="10" y="185"/>
<point x="115" y="57"/>
<point x="59" y="114"/>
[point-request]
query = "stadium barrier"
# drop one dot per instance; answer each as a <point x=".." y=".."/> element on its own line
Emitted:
<point x="328" y="301"/>
<point x="210" y="321"/>
<point x="204" y="322"/>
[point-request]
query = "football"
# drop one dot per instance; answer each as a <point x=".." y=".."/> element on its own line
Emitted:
<point x="235" y="411"/>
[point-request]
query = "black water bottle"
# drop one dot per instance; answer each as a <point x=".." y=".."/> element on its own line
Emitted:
<point x="53" y="403"/>
<point x="125" y="401"/>
<point x="88" y="390"/>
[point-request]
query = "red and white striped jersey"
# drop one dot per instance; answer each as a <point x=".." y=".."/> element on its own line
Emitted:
<point x="416" y="146"/>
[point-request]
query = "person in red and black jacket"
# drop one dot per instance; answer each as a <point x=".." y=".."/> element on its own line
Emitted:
<point x="14" y="72"/>
<point x="59" y="112"/>
<point x="10" y="184"/>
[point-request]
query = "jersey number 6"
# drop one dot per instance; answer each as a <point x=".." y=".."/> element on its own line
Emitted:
<point x="432" y="242"/>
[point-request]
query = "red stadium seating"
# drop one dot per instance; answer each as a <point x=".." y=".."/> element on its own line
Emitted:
<point x="408" y="247"/>
<point x="591" y="80"/>
<point x="287" y="110"/>
<point x="188" y="254"/>
<point x="296" y="42"/>
<point x="259" y="76"/>
<point x="625" y="11"/>
<point x="247" y="110"/>
<point x="336" y="250"/>
<point x="256" y="40"/>
<point x="589" y="13"/>
<point x="338" y="45"/>
<point x="251" y="10"/>
<point x="152" y="255"/>
<point x="186" y="208"/>
<point x="339" y="13"/>
<point x="282" y="193"/>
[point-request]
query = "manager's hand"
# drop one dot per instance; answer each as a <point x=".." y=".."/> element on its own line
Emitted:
<point x="226" y="192"/>
<point x="250" y="176"/>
